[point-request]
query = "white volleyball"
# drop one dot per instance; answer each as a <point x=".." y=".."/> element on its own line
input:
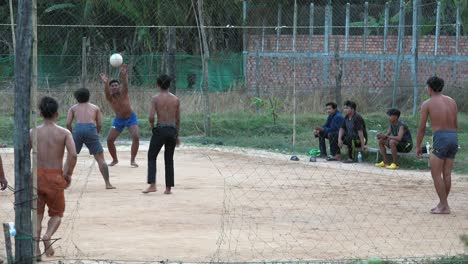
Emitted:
<point x="116" y="60"/>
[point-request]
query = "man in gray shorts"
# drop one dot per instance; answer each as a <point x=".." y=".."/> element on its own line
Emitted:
<point x="442" y="110"/>
<point x="87" y="128"/>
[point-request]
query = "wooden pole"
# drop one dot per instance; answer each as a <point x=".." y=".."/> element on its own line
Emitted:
<point x="206" y="56"/>
<point x="83" y="62"/>
<point x="244" y="40"/>
<point x="9" y="253"/>
<point x="414" y="50"/>
<point x="347" y="19"/>
<point x="436" y="42"/>
<point x="34" y="122"/>
<point x="457" y="40"/>
<point x="278" y="27"/>
<point x="326" y="48"/>
<point x="382" y="62"/>
<point x="311" y="25"/>
<point x="12" y="23"/>
<point x="364" y="40"/>
<point x="294" y="76"/>
<point x="338" y="72"/>
<point x="23" y="194"/>
<point x="399" y="49"/>
<point x="171" y="57"/>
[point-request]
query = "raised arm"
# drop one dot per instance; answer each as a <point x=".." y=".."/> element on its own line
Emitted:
<point x="152" y="112"/>
<point x="124" y="79"/>
<point x="105" y="80"/>
<point x="422" y="127"/>
<point x="70" y="117"/>
<point x="70" y="163"/>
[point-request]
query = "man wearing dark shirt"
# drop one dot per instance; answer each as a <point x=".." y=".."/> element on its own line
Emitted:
<point x="397" y="138"/>
<point x="330" y="130"/>
<point x="353" y="131"/>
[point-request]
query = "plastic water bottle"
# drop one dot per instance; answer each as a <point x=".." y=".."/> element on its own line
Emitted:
<point x="12" y="229"/>
<point x="359" y="157"/>
<point x="428" y="147"/>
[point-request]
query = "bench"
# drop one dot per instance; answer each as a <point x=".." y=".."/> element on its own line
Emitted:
<point x="389" y="152"/>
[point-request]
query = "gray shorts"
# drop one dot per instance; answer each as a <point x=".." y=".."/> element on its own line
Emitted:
<point x="445" y="144"/>
<point x="87" y="133"/>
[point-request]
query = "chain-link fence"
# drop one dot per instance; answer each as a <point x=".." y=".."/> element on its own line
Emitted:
<point x="272" y="67"/>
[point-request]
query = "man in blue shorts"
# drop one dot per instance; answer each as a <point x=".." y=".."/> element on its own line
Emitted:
<point x="442" y="110"/>
<point x="87" y="128"/>
<point x="124" y="115"/>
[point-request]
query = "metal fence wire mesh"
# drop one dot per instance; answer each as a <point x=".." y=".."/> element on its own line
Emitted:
<point x="272" y="57"/>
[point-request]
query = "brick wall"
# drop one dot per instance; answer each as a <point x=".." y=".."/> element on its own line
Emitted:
<point x="276" y="71"/>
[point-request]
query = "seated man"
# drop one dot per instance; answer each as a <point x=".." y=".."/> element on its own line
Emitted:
<point x="397" y="138"/>
<point x="353" y="131"/>
<point x="330" y="130"/>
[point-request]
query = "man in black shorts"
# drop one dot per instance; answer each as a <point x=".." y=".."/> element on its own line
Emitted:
<point x="397" y="138"/>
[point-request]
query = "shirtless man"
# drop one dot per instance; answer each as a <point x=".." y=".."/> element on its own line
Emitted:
<point x="3" y="180"/>
<point x="125" y="117"/>
<point x="87" y="130"/>
<point x="53" y="177"/>
<point x="442" y="110"/>
<point x="166" y="132"/>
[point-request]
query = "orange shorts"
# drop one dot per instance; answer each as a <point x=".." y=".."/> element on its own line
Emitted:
<point x="50" y="191"/>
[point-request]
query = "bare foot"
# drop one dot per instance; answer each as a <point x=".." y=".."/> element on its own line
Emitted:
<point x="38" y="255"/>
<point x="441" y="210"/>
<point x="150" y="189"/>
<point x="113" y="163"/>
<point x="109" y="186"/>
<point x="49" y="250"/>
<point x="433" y="209"/>
<point x="133" y="164"/>
<point x="168" y="190"/>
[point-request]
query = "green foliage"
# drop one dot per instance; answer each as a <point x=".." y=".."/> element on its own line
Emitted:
<point x="272" y="107"/>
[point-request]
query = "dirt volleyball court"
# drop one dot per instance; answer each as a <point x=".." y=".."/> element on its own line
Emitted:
<point x="244" y="205"/>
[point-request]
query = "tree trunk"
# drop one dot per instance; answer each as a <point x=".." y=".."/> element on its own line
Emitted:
<point x="205" y="55"/>
<point x="171" y="57"/>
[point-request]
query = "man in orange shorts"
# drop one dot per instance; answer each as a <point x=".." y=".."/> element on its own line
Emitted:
<point x="52" y="177"/>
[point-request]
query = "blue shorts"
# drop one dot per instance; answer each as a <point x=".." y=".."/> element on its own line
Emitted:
<point x="119" y="124"/>
<point x="445" y="144"/>
<point x="87" y="133"/>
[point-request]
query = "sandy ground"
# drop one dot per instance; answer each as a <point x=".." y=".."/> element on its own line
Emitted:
<point x="244" y="205"/>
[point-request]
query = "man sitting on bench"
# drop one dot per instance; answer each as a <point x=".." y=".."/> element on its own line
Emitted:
<point x="353" y="131"/>
<point x="330" y="130"/>
<point x="397" y="138"/>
